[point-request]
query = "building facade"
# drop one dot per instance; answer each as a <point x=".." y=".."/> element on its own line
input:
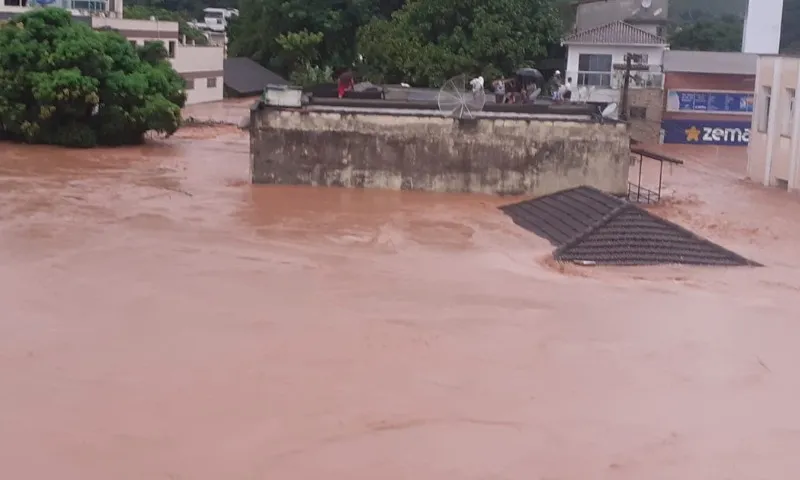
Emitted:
<point x="762" y="27"/>
<point x="200" y="66"/>
<point x="773" y="156"/>
<point x="596" y="59"/>
<point x="709" y="93"/>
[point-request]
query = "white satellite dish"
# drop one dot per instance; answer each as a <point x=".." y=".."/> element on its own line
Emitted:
<point x="457" y="99"/>
<point x="647" y="3"/>
<point x="610" y="112"/>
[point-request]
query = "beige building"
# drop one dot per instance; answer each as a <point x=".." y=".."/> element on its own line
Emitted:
<point x="773" y="155"/>
<point x="200" y="66"/>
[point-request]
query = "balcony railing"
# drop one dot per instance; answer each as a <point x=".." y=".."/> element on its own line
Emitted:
<point x="615" y="80"/>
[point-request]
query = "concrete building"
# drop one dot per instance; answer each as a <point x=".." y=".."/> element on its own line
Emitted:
<point x="200" y="66"/>
<point x="708" y="92"/>
<point x="773" y="156"/>
<point x="596" y="59"/>
<point x="762" y="27"/>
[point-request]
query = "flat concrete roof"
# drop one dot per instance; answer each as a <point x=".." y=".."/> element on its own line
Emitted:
<point x="436" y="113"/>
<point x="724" y="63"/>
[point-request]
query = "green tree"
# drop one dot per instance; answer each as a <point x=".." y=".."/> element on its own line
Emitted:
<point x="428" y="41"/>
<point x="263" y="27"/>
<point x="692" y="10"/>
<point x="722" y="34"/>
<point x="790" y="27"/>
<point x="63" y="83"/>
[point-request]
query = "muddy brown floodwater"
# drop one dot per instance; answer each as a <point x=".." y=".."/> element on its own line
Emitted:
<point x="163" y="319"/>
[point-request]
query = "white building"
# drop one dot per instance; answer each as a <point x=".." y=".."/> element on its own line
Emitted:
<point x="596" y="59"/>
<point x="773" y="154"/>
<point x="200" y="66"/>
<point x="762" y="27"/>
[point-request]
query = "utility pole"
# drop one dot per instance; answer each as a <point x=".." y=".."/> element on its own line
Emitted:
<point x="627" y="67"/>
<point x="626" y="81"/>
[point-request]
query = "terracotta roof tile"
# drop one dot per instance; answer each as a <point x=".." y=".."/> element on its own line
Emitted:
<point x="615" y="33"/>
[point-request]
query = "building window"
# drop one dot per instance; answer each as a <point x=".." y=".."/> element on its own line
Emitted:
<point x="189" y="83"/>
<point x="788" y="114"/>
<point x="133" y="42"/>
<point x="763" y="113"/>
<point x="211" y="82"/>
<point x="594" y="70"/>
<point x="638" y="113"/>
<point x="171" y="49"/>
<point x="639" y="59"/>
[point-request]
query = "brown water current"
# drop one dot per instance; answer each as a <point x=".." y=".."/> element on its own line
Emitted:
<point x="163" y="319"/>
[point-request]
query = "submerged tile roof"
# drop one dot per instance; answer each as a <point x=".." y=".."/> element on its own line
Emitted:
<point x="615" y="33"/>
<point x="564" y="215"/>
<point x="594" y="228"/>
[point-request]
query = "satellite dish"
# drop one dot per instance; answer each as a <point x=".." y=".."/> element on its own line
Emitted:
<point x="459" y="98"/>
<point x="647" y="3"/>
<point x="610" y="112"/>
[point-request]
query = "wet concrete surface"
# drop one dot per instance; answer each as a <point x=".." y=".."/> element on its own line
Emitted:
<point x="165" y="319"/>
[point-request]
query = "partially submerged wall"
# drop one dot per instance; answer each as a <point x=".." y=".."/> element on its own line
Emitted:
<point x="418" y="150"/>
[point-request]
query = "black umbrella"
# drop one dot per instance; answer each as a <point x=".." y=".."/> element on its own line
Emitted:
<point x="530" y="75"/>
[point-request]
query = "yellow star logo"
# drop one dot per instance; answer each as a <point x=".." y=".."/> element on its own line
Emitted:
<point x="692" y="134"/>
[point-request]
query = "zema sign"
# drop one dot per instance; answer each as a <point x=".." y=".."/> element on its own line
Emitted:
<point x="706" y="132"/>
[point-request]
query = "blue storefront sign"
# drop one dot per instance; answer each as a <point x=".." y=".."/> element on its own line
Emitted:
<point x="729" y="103"/>
<point x="706" y="132"/>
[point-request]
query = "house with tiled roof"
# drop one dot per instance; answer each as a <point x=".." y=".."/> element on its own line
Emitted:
<point x="596" y="59"/>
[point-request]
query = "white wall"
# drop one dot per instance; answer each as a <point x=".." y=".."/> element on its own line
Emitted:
<point x="204" y="63"/>
<point x="12" y="9"/>
<point x="197" y="58"/>
<point x="762" y="27"/>
<point x="655" y="58"/>
<point x="154" y="28"/>
<point x="773" y="153"/>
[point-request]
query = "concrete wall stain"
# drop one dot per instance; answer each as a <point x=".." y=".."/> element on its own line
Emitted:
<point x="495" y="155"/>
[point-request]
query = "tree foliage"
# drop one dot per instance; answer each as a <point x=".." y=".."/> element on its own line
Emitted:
<point x="692" y="11"/>
<point x="63" y="83"/>
<point x="790" y="27"/>
<point x="711" y="34"/>
<point x="428" y="41"/>
<point x="275" y="32"/>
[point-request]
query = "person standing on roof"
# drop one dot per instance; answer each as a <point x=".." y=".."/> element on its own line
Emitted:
<point x="477" y="84"/>
<point x="555" y="85"/>
<point x="499" y="90"/>
<point x="346" y="83"/>
<point x="565" y="91"/>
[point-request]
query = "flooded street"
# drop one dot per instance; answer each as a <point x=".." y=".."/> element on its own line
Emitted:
<point x="164" y="319"/>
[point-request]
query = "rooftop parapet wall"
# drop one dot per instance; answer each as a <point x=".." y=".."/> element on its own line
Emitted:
<point x="417" y="150"/>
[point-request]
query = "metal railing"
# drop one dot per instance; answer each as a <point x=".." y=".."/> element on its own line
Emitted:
<point x="615" y="80"/>
<point x="640" y="194"/>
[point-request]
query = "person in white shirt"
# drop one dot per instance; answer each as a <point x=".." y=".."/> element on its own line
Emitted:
<point x="477" y="84"/>
<point x="499" y="90"/>
<point x="565" y="91"/>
